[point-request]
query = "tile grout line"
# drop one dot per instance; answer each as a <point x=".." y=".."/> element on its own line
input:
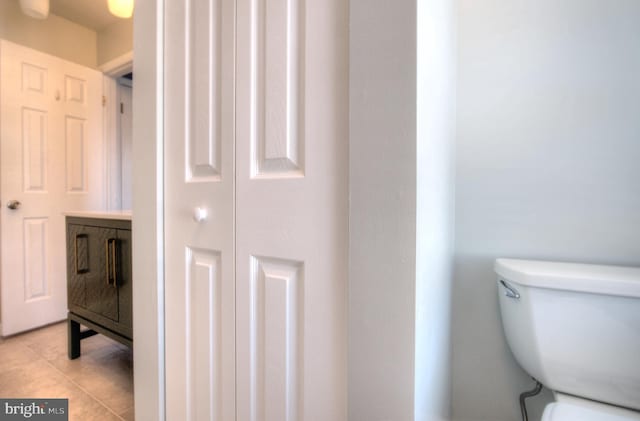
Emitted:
<point x="84" y="390"/>
<point x="74" y="382"/>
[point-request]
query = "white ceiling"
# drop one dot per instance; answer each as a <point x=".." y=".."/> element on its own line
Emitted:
<point x="93" y="14"/>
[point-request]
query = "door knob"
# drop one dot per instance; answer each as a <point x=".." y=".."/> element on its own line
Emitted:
<point x="200" y="214"/>
<point x="13" y="204"/>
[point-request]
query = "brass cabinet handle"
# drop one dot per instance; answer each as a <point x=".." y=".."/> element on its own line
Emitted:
<point x="75" y="253"/>
<point x="111" y="260"/>
<point x="107" y="266"/>
<point x="114" y="264"/>
<point x="78" y="269"/>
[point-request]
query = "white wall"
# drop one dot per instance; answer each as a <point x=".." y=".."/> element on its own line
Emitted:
<point x="54" y="35"/>
<point x="148" y="246"/>
<point x="401" y="121"/>
<point x="436" y="79"/>
<point x="65" y="39"/>
<point x="547" y="165"/>
<point x="382" y="173"/>
<point x="115" y="40"/>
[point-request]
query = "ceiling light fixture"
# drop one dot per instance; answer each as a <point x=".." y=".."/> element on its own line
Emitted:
<point x="38" y="9"/>
<point x="121" y="8"/>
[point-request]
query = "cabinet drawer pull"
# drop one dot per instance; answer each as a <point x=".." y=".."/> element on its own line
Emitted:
<point x="111" y="261"/>
<point x="107" y="243"/>
<point x="114" y="262"/>
<point x="85" y="269"/>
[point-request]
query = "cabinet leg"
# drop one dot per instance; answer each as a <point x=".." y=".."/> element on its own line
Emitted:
<point x="74" y="339"/>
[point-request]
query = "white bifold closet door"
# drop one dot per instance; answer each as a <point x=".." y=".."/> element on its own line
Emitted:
<point x="256" y="206"/>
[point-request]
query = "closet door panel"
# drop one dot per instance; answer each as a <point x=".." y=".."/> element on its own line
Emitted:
<point x="199" y="202"/>
<point x="291" y="210"/>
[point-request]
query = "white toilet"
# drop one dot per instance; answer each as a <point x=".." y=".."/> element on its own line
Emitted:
<point x="576" y="329"/>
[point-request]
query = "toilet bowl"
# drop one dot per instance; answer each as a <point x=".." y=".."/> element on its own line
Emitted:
<point x="576" y="329"/>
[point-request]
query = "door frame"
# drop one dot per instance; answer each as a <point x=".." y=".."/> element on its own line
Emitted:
<point x="148" y="257"/>
<point x="113" y="71"/>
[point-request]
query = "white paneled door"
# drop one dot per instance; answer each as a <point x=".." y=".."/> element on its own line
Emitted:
<point x="50" y="127"/>
<point x="256" y="205"/>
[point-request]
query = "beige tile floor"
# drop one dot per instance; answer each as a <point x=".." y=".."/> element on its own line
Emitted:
<point x="99" y="384"/>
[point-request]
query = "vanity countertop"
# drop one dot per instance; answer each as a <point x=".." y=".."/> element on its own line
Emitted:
<point x="114" y="214"/>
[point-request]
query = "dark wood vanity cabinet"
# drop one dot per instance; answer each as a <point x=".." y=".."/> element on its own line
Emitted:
<point x="99" y="284"/>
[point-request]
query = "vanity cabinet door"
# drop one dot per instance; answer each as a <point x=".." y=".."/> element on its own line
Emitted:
<point x="123" y="283"/>
<point x="102" y="295"/>
<point x="91" y="284"/>
<point x="78" y="265"/>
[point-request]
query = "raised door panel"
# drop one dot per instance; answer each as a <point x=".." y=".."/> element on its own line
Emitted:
<point x="276" y="338"/>
<point x="34" y="150"/>
<point x="204" y="335"/>
<point x="36" y="256"/>
<point x="34" y="80"/>
<point x="75" y="90"/>
<point x="277" y="111"/>
<point x="76" y="159"/>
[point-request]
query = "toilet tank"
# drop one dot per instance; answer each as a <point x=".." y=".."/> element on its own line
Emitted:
<point x="574" y="327"/>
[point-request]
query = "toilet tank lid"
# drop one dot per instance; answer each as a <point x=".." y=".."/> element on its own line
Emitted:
<point x="597" y="279"/>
